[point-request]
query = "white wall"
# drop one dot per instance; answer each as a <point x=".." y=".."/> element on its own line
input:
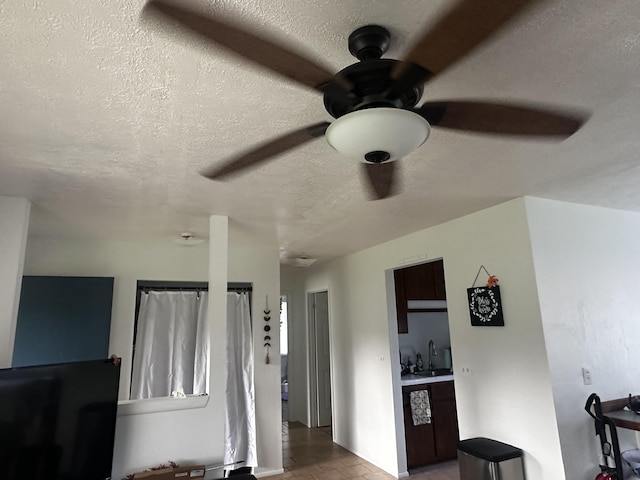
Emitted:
<point x="586" y="271"/>
<point x="507" y="398"/>
<point x="588" y="266"/>
<point x="127" y="262"/>
<point x="14" y="225"/>
<point x="260" y="265"/>
<point x="185" y="436"/>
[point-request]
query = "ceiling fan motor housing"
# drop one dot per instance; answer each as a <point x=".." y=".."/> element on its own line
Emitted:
<point x="372" y="88"/>
<point x="374" y="100"/>
<point x="371" y="77"/>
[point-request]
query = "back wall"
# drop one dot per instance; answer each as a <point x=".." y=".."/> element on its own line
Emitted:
<point x="184" y="436"/>
<point x="508" y="397"/>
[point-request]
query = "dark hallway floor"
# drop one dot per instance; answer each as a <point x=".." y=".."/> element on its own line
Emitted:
<point x="310" y="454"/>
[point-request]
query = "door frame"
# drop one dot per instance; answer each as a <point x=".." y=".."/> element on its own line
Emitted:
<point x="312" y="360"/>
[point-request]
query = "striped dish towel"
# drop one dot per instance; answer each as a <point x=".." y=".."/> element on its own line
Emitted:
<point x="420" y="407"/>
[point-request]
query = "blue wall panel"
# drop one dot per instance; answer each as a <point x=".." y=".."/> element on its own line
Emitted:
<point x="63" y="319"/>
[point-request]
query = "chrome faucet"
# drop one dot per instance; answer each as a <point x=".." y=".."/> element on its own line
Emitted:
<point x="432" y="353"/>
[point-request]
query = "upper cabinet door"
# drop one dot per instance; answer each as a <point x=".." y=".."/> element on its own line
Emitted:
<point x="401" y="301"/>
<point x="425" y="281"/>
<point x="420" y="282"/>
<point x="439" y="290"/>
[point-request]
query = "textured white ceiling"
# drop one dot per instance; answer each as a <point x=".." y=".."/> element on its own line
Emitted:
<point x="106" y="122"/>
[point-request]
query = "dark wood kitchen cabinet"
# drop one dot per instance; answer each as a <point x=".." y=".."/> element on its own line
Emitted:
<point x="436" y="441"/>
<point x="445" y="420"/>
<point x="419" y="282"/>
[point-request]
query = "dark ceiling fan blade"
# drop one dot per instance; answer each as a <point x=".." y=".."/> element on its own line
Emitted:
<point x="464" y="27"/>
<point x="266" y="151"/>
<point x="260" y="50"/>
<point x="381" y="179"/>
<point x="502" y="119"/>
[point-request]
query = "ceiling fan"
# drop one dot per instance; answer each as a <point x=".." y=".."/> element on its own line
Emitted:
<point x="374" y="100"/>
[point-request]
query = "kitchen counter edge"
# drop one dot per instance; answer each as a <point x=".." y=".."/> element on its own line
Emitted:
<point x="405" y="382"/>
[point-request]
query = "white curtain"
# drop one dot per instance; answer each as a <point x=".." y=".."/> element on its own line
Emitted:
<point x="172" y="347"/>
<point x="240" y="424"/>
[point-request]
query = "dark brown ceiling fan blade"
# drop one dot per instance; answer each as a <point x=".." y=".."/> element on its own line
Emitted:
<point x="260" y="50"/>
<point x="464" y="27"/>
<point x="501" y="119"/>
<point x="381" y="179"/>
<point x="266" y="151"/>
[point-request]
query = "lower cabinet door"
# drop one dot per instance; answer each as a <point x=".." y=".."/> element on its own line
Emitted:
<point x="421" y="448"/>
<point x="436" y="441"/>
<point x="445" y="422"/>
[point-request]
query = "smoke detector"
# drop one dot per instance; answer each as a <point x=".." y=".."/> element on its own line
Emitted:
<point x="188" y="239"/>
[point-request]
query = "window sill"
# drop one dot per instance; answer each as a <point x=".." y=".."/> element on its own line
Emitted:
<point x="164" y="404"/>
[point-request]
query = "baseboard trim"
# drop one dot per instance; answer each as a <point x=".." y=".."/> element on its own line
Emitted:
<point x="268" y="473"/>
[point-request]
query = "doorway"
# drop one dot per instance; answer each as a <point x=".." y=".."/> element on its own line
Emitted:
<point x="320" y="358"/>
<point x="284" y="356"/>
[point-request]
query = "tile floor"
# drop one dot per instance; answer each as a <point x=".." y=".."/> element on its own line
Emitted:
<point x="310" y="454"/>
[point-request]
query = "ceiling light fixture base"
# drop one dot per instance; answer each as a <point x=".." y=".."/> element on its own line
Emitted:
<point x="301" y="261"/>
<point x="188" y="239"/>
<point x="369" y="42"/>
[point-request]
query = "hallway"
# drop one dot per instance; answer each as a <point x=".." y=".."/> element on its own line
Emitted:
<point x="310" y="454"/>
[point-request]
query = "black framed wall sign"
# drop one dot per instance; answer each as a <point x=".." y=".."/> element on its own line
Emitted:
<point x="485" y="306"/>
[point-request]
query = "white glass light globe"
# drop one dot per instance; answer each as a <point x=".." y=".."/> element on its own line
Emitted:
<point x="393" y="130"/>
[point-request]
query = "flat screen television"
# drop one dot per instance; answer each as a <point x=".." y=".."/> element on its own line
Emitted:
<point x="57" y="422"/>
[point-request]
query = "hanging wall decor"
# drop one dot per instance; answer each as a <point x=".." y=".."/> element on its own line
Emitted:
<point x="485" y="304"/>
<point x="267" y="329"/>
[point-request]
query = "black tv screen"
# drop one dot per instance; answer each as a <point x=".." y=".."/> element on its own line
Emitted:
<point x="57" y="422"/>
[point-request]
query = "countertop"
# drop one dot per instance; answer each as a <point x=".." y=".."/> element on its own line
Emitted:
<point x="617" y="411"/>
<point x="412" y="379"/>
<point x="625" y="419"/>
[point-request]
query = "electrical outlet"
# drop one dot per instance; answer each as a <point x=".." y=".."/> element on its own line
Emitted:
<point x="466" y="371"/>
<point x="586" y="376"/>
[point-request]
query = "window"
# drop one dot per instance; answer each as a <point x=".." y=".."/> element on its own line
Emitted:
<point x="171" y="341"/>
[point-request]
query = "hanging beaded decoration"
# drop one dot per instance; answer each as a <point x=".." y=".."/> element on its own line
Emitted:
<point x="267" y="329"/>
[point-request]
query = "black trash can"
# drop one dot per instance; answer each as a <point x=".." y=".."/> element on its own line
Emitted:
<point x="486" y="459"/>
